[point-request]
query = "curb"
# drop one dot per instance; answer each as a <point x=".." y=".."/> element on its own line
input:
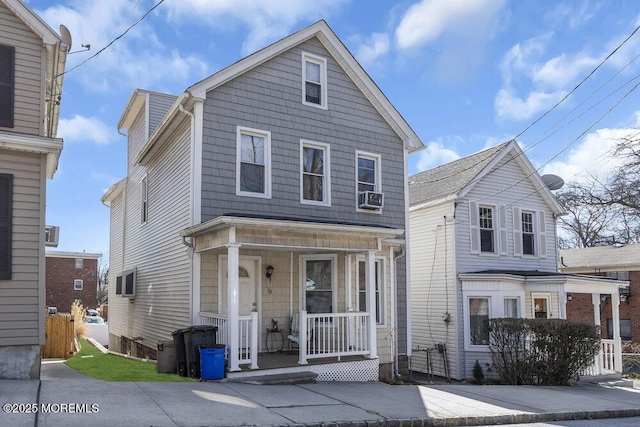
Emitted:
<point x="480" y="420"/>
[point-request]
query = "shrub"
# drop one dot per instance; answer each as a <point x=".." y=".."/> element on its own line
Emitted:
<point x="541" y="351"/>
<point x="478" y="375"/>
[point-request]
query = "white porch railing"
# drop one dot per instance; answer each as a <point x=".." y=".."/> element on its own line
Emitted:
<point x="606" y="361"/>
<point x="333" y="335"/>
<point x="247" y="335"/>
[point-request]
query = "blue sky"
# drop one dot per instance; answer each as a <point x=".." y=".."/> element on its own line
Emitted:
<point x="465" y="74"/>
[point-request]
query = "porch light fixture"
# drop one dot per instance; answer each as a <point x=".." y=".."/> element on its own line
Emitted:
<point x="569" y="297"/>
<point x="270" y="272"/>
<point x="603" y="298"/>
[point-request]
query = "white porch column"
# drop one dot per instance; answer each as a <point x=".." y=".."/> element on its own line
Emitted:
<point x="371" y="303"/>
<point x="617" y="342"/>
<point x="233" y="256"/>
<point x="562" y="300"/>
<point x="595" y="298"/>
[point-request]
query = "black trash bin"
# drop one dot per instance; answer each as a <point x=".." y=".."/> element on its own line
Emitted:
<point x="180" y="352"/>
<point x="195" y="338"/>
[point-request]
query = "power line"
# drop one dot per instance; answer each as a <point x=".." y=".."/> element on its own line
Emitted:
<point x="114" y="40"/>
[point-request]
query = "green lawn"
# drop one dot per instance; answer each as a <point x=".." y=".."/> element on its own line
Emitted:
<point x="108" y="367"/>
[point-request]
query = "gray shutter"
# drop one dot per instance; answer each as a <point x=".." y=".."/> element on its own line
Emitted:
<point x="502" y="220"/>
<point x="6" y="214"/>
<point x="474" y="228"/>
<point x="7" y="66"/>
<point x="542" y="227"/>
<point x="517" y="232"/>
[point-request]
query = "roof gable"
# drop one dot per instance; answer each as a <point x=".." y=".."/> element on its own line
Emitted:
<point x="456" y="179"/>
<point x="344" y="58"/>
<point x="31" y="20"/>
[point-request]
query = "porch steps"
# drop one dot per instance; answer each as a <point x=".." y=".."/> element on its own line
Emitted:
<point x="607" y="380"/>
<point x="304" y="377"/>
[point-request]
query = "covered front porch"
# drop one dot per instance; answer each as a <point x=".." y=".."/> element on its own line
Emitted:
<point x="300" y="299"/>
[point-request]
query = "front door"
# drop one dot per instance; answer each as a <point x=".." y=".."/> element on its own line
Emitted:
<point x="247" y="283"/>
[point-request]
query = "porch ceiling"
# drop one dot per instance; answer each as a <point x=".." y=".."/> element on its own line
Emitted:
<point x="287" y="234"/>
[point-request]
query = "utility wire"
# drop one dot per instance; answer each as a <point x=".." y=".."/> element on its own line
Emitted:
<point x="114" y="40"/>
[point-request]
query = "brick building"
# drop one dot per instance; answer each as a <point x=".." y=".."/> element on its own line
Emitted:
<point x="71" y="276"/>
<point x="614" y="262"/>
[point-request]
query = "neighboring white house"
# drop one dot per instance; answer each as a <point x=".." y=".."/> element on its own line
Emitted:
<point x="32" y="60"/>
<point x="483" y="245"/>
<point x="287" y="168"/>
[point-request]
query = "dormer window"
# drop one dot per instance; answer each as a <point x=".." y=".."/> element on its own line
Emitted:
<point x="314" y="80"/>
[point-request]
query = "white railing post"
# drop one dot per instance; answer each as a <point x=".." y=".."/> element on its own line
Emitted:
<point x="371" y="304"/>
<point x="254" y="340"/>
<point x="595" y="299"/>
<point x="617" y="342"/>
<point x="302" y="344"/>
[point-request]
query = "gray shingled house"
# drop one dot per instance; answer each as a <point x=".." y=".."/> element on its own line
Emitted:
<point x="483" y="245"/>
<point x="287" y="168"/>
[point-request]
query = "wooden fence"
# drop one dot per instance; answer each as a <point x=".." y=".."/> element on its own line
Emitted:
<point x="59" y="336"/>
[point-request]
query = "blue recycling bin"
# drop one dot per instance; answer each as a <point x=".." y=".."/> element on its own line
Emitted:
<point x="212" y="362"/>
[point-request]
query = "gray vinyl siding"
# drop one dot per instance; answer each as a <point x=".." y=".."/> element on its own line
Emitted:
<point x="159" y="104"/>
<point x="155" y="248"/>
<point x="269" y="98"/>
<point x="431" y="295"/>
<point x="117" y="319"/>
<point x="29" y="65"/>
<point x="20" y="303"/>
<point x="522" y="195"/>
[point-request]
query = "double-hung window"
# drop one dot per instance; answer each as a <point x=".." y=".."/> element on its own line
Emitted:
<point x="379" y="289"/>
<point x="479" y="313"/>
<point x="528" y="233"/>
<point x="315" y="181"/>
<point x="253" y="168"/>
<point x="368" y="177"/>
<point x="78" y="284"/>
<point x="487" y="233"/>
<point x="319" y="281"/>
<point x="314" y="80"/>
<point x="482" y="305"/>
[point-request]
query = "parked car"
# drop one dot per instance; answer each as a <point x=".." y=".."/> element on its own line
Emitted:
<point x="91" y="312"/>
<point x="96" y="320"/>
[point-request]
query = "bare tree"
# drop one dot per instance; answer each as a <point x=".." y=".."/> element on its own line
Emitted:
<point x="103" y="281"/>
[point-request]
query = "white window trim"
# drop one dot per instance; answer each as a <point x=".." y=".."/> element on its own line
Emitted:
<point x="496" y="231"/>
<point x="79" y="261"/>
<point x="308" y="57"/>
<point x="382" y="294"/>
<point x="496" y="310"/>
<point x="326" y="187"/>
<point x="334" y="278"/>
<point x="78" y="285"/>
<point x="144" y="199"/>
<point x="378" y="187"/>
<point x="267" y="161"/>
<point x="536" y="234"/>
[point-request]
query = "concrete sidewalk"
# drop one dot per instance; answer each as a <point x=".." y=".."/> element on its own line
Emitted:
<point x="65" y="398"/>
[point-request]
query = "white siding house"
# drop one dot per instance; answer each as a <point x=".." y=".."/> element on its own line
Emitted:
<point x="32" y="58"/>
<point x="287" y="168"/>
<point x="483" y="245"/>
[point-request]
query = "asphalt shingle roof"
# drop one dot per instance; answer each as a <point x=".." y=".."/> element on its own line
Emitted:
<point x="450" y="178"/>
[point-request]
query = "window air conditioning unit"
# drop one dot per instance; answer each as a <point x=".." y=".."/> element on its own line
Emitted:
<point x="51" y="234"/>
<point x="370" y="200"/>
<point x="129" y="283"/>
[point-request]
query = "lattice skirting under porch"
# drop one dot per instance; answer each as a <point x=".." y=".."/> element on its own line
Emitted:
<point x="357" y="370"/>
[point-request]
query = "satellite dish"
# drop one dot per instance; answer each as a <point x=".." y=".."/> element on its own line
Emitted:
<point x="553" y="182"/>
<point x="66" y="36"/>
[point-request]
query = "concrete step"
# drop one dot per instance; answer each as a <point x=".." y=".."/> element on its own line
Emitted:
<point x="305" y="377"/>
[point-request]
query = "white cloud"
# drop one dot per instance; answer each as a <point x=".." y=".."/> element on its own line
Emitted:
<point x="509" y="106"/>
<point x="593" y="155"/>
<point x="137" y="59"/>
<point x="427" y="20"/>
<point x="435" y="154"/>
<point x="372" y="48"/>
<point x="84" y="129"/>
<point x="265" y="20"/>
